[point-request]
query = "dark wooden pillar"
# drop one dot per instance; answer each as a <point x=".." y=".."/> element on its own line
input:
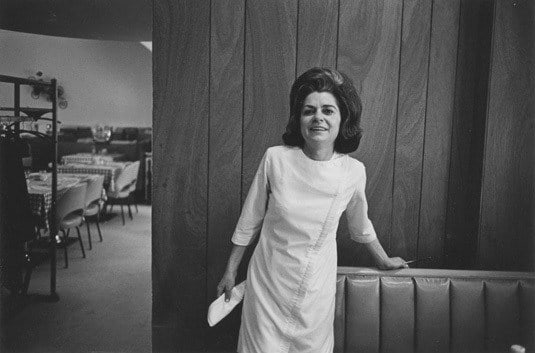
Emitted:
<point x="180" y="122"/>
<point x="467" y="141"/>
<point x="506" y="232"/>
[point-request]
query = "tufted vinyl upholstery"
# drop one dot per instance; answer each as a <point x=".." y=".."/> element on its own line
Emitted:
<point x="415" y="310"/>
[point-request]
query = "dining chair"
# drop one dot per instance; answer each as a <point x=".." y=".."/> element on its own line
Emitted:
<point x="125" y="186"/>
<point x="93" y="204"/>
<point x="70" y="214"/>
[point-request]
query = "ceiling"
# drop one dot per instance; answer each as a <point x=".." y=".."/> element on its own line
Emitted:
<point x="122" y="20"/>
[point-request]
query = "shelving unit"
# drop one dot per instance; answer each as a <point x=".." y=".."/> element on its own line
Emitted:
<point x="33" y="114"/>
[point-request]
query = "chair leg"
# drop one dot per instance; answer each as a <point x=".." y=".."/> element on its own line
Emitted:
<point x="122" y="214"/>
<point x="65" y="240"/>
<point x="80" y="241"/>
<point x="111" y="208"/>
<point x="89" y="235"/>
<point x="98" y="224"/>
<point x="129" y="209"/>
<point x="135" y="204"/>
<point x="29" y="269"/>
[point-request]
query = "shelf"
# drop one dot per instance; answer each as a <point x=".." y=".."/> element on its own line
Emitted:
<point x="36" y="112"/>
<point x="14" y="126"/>
<point x="23" y="81"/>
<point x="32" y="112"/>
<point x="9" y="119"/>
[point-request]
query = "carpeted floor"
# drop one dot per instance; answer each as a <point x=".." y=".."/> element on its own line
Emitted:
<point x="105" y="299"/>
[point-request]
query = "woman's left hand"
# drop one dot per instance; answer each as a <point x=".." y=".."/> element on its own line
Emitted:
<point x="393" y="263"/>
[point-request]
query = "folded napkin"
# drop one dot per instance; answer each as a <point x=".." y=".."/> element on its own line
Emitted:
<point x="220" y="308"/>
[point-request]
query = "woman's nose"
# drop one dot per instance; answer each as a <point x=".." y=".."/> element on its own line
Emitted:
<point x="318" y="116"/>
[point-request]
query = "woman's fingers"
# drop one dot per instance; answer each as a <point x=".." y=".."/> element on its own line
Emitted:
<point x="394" y="263"/>
<point x="225" y="287"/>
<point x="228" y="290"/>
<point x="400" y="263"/>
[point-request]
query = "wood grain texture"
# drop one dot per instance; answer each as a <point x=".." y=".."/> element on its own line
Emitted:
<point x="412" y="98"/>
<point x="368" y="51"/>
<point x="506" y="238"/>
<point x="317" y="34"/>
<point x="181" y="101"/>
<point x="270" y="45"/>
<point x="436" y="162"/>
<point x="224" y="183"/>
<point x="471" y="88"/>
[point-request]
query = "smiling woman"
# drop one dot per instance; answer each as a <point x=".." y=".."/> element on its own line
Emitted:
<point x="294" y="205"/>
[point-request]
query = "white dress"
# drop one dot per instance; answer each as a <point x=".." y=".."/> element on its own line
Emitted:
<point x="295" y="204"/>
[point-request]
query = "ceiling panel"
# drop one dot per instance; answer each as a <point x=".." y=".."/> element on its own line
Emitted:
<point x="125" y="20"/>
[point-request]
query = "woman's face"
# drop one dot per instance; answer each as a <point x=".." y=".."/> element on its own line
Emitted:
<point x="320" y="119"/>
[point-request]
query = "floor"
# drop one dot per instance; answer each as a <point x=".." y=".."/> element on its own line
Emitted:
<point x="105" y="299"/>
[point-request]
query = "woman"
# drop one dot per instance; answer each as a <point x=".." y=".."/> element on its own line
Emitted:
<point x="295" y="202"/>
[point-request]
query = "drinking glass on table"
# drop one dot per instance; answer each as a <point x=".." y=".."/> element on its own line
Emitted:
<point x="43" y="175"/>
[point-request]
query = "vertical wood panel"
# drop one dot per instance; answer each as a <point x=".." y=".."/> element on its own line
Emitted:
<point x="181" y="101"/>
<point x="225" y="142"/>
<point x="441" y="86"/>
<point x="410" y="126"/>
<point x="471" y="88"/>
<point x="368" y="51"/>
<point x="506" y="233"/>
<point x="317" y="34"/>
<point x="270" y="46"/>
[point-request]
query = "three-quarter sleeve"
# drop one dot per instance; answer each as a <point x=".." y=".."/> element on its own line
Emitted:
<point x="360" y="227"/>
<point x="254" y="207"/>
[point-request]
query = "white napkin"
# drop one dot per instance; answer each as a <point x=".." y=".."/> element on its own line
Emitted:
<point x="220" y="308"/>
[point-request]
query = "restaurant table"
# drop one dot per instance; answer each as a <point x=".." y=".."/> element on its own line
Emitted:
<point x="92" y="158"/>
<point x="110" y="171"/>
<point x="40" y="192"/>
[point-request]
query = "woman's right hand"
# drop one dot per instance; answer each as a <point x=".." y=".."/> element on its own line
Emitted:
<point x="226" y="284"/>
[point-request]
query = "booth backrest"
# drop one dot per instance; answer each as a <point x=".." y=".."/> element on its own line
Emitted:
<point x="415" y="310"/>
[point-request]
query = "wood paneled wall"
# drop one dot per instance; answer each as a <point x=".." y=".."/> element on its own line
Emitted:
<point x="506" y="229"/>
<point x="222" y="74"/>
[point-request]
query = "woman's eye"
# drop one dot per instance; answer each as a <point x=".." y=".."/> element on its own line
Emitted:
<point x="308" y="112"/>
<point x="328" y="111"/>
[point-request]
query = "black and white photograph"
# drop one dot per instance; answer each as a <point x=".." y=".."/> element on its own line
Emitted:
<point x="281" y="176"/>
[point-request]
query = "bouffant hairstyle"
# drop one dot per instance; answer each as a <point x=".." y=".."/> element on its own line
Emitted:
<point x="342" y="88"/>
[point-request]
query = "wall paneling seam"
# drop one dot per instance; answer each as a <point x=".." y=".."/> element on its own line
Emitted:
<point x="485" y="134"/>
<point x="389" y="246"/>
<point x="244" y="66"/>
<point x="425" y="128"/>
<point x="447" y="242"/>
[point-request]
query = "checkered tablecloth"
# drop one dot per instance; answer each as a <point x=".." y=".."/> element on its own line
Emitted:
<point x="110" y="171"/>
<point x="40" y="193"/>
<point x="40" y="196"/>
<point x="89" y="158"/>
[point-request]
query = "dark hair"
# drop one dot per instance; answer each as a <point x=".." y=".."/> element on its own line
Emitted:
<point x="342" y="88"/>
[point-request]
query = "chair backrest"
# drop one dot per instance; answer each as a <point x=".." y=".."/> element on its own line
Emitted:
<point x="27" y="162"/>
<point x="94" y="189"/>
<point x="128" y="176"/>
<point x="73" y="200"/>
<point x="427" y="310"/>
